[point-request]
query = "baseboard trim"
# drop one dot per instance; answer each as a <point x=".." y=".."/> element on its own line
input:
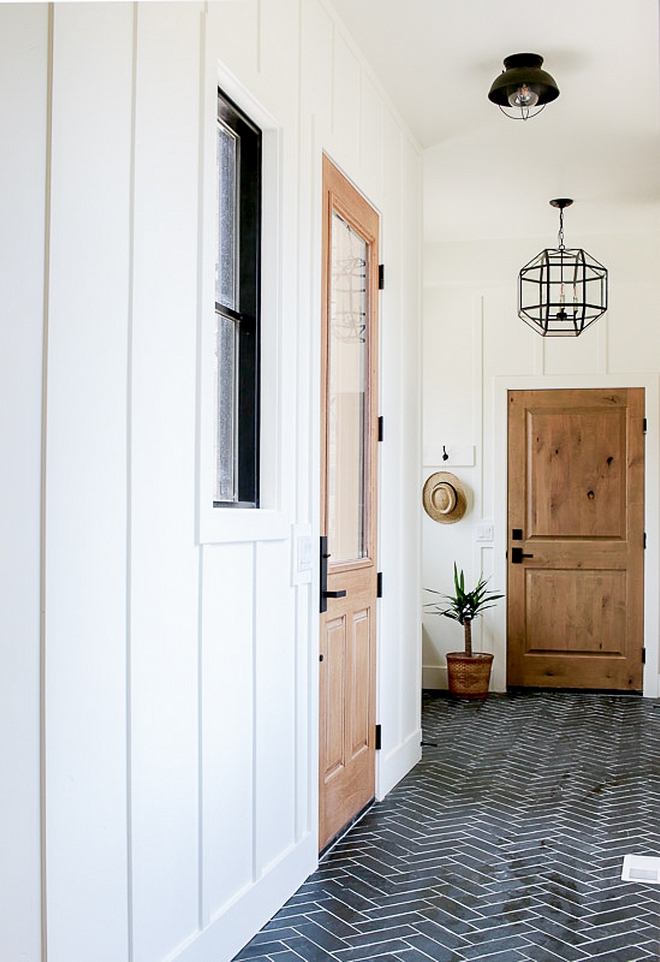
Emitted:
<point x="393" y="767"/>
<point x="434" y="676"/>
<point x="234" y="927"/>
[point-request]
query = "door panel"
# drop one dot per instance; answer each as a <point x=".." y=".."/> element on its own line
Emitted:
<point x="576" y="539"/>
<point x="348" y="503"/>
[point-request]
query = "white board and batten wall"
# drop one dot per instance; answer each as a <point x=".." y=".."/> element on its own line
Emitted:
<point x="159" y="729"/>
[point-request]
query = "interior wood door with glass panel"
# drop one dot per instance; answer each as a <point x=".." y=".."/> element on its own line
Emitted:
<point x="576" y="539"/>
<point x="348" y="504"/>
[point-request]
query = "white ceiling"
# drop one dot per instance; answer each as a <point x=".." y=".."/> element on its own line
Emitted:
<point x="487" y="176"/>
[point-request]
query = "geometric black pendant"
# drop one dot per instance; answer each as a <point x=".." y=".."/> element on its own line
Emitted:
<point x="561" y="292"/>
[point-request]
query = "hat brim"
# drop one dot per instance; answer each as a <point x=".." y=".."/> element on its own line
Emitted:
<point x="459" y="509"/>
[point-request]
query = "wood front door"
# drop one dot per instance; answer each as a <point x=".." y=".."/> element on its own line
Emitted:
<point x="576" y="539"/>
<point x="348" y="504"/>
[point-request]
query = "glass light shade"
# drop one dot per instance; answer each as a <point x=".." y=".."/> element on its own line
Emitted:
<point x="524" y="96"/>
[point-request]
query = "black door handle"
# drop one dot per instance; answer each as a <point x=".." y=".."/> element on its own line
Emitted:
<point x="517" y="556"/>
<point x="334" y="594"/>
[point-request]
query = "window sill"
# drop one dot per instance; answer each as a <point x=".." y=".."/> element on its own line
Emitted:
<point x="221" y="525"/>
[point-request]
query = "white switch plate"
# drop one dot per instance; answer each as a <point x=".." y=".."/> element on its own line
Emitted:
<point x="302" y="554"/>
<point x="485" y="531"/>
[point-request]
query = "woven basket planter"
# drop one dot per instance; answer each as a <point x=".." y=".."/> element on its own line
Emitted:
<point x="469" y="675"/>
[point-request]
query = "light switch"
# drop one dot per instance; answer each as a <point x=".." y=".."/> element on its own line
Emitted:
<point x="485" y="531"/>
<point x="302" y="554"/>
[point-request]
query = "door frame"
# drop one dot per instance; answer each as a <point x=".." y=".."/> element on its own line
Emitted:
<point x="651" y="383"/>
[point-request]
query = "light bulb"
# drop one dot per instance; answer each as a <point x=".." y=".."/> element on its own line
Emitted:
<point x="523" y="96"/>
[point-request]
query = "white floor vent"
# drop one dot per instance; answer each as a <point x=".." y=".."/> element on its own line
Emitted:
<point x="641" y="868"/>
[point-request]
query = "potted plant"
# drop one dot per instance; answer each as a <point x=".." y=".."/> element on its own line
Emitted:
<point x="468" y="671"/>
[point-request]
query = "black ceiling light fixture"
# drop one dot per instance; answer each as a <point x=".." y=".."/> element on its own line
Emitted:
<point x="561" y="292"/>
<point x="522" y="89"/>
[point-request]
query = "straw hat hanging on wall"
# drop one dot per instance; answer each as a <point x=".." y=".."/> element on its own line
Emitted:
<point x="444" y="498"/>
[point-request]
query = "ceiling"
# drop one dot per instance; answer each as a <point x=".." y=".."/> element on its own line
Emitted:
<point x="487" y="176"/>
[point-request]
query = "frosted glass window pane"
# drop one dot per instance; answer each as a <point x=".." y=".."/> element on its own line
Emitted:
<point x="226" y="412"/>
<point x="348" y="361"/>
<point x="226" y="262"/>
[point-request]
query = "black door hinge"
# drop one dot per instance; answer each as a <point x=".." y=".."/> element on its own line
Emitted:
<point x="379" y="584"/>
<point x="378" y="738"/>
<point x="643" y="656"/>
<point x="380" y="428"/>
<point x="646" y="425"/>
<point x="381" y="277"/>
<point x="645" y="539"/>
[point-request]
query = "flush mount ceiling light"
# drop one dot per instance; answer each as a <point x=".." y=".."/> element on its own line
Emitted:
<point x="522" y="89"/>
<point x="561" y="291"/>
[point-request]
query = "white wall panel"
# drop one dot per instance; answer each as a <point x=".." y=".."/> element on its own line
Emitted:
<point x="411" y="363"/>
<point x="345" y="104"/>
<point x="164" y="557"/>
<point x="236" y="30"/>
<point x="23" y="118"/>
<point x="85" y="560"/>
<point x="227" y="673"/>
<point x="275" y="709"/>
<point x="567" y="355"/>
<point x="371" y="137"/>
<point x="279" y="57"/>
<point x="317" y="31"/>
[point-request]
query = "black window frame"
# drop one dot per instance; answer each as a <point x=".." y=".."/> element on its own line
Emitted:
<point x="247" y="316"/>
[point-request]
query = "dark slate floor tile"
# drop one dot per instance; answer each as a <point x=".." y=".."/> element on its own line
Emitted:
<point x="327" y="920"/>
<point x="414" y="955"/>
<point x="504" y="844"/>
<point x="320" y="936"/>
<point x="372" y="951"/>
<point x="433" y="950"/>
<point x="258" y="950"/>
<point x="309" y="950"/>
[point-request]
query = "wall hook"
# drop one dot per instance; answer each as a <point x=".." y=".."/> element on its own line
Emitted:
<point x="445" y="456"/>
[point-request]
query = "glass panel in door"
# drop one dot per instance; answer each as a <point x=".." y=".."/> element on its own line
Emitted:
<point x="348" y="401"/>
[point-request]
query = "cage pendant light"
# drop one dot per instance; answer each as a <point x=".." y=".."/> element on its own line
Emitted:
<point x="562" y="291"/>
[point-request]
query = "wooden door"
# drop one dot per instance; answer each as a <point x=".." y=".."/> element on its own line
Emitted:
<point x="576" y="539"/>
<point x="348" y="506"/>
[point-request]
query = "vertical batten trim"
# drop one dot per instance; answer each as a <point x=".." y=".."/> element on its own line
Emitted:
<point x="255" y="854"/>
<point x="202" y="913"/>
<point x="360" y="145"/>
<point x="259" y="37"/>
<point x="479" y="395"/>
<point x="295" y="500"/>
<point x="129" y="515"/>
<point x="333" y="54"/>
<point x="603" y="345"/>
<point x="44" y="444"/>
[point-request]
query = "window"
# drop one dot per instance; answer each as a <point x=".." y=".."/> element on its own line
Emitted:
<point x="238" y="161"/>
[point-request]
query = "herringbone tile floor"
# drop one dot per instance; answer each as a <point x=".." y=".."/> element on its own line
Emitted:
<point x="505" y="843"/>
